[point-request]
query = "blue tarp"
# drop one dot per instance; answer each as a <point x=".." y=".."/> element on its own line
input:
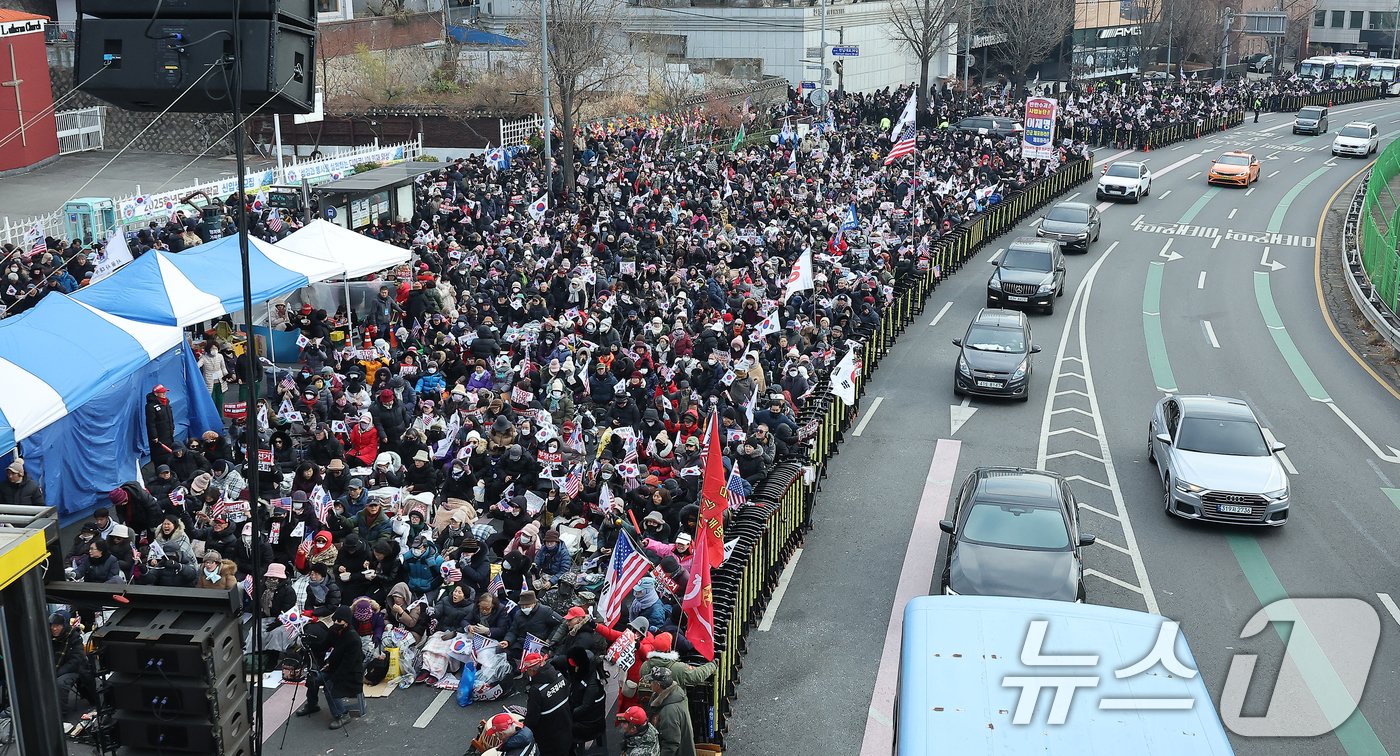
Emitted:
<point x="465" y="35"/>
<point x="97" y="446"/>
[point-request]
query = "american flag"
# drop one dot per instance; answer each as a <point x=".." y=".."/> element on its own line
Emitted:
<point x="218" y="508"/>
<point x="479" y="643"/>
<point x="321" y="500"/>
<point x="734" y="489"/>
<point x="37" y="245"/>
<point x="274" y="221"/>
<point x="451" y="574"/>
<point x="532" y="645"/>
<point x="905" y="146"/>
<point x="627" y="567"/>
<point x="496" y="586"/>
<point x="573" y="482"/>
<point x="248" y="586"/>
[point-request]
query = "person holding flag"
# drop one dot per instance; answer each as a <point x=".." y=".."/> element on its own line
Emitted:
<point x="801" y="278"/>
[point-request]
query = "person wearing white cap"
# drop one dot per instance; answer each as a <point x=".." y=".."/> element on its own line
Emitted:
<point x="119" y="542"/>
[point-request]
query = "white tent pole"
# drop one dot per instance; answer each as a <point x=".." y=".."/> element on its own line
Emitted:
<point x="349" y="316"/>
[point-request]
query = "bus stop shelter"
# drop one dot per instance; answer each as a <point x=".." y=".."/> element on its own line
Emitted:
<point x="383" y="195"/>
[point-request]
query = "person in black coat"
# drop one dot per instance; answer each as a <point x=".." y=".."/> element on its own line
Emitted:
<point x="587" y="696"/>
<point x="70" y="661"/>
<point x="19" y="489"/>
<point x="341" y="673"/>
<point x="160" y="426"/>
<point x="547" y="710"/>
<point x="167" y="571"/>
<point x="102" y="567"/>
<point x="533" y="618"/>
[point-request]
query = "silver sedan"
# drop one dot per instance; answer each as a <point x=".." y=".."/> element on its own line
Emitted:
<point x="1215" y="462"/>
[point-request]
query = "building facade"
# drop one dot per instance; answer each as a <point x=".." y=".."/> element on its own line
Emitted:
<point x="1342" y="25"/>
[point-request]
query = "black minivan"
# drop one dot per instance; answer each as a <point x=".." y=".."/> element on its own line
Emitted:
<point x="1311" y="120"/>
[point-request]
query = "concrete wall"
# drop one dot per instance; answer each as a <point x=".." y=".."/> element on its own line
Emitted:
<point x="181" y="133"/>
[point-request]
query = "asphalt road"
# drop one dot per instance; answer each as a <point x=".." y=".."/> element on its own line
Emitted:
<point x="1227" y="306"/>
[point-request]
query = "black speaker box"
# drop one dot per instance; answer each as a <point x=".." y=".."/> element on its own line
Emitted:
<point x="147" y="74"/>
<point x="227" y="736"/>
<point x="170" y="643"/>
<point x="207" y="698"/>
<point x="299" y="12"/>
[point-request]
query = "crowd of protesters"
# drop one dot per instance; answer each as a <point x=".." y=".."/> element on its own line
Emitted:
<point x="445" y="485"/>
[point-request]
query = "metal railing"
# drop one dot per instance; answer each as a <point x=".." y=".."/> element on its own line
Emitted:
<point x="519" y="131"/>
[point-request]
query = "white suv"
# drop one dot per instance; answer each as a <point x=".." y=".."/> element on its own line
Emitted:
<point x="1124" y="180"/>
<point x="1356" y="138"/>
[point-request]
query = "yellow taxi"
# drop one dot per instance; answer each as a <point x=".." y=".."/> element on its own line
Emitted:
<point x="1234" y="169"/>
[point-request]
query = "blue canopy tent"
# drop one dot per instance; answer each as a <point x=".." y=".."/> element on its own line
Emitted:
<point x="203" y="283"/>
<point x="76" y="380"/>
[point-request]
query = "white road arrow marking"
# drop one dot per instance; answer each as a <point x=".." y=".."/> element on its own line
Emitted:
<point x="1394" y="455"/>
<point x="1170" y="255"/>
<point x="1272" y="265"/>
<point x="961" y="413"/>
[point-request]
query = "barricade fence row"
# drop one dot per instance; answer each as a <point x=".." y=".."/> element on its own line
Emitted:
<point x="1380" y="237"/>
<point x="779" y="513"/>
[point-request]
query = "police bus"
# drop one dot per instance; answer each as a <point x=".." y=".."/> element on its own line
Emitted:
<point x="1351" y="68"/>
<point x="1008" y="676"/>
<point x="1383" y="75"/>
<point x="1317" y="67"/>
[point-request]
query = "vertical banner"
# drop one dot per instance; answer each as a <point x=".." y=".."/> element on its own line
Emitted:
<point x="1038" y="138"/>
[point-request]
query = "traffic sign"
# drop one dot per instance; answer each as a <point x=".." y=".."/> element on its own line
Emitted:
<point x="845" y="51"/>
<point x="809" y="85"/>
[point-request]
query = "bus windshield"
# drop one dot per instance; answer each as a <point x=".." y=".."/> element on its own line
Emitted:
<point x="1312" y="70"/>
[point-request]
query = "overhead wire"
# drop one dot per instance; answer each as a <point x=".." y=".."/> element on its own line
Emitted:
<point x="51" y="108"/>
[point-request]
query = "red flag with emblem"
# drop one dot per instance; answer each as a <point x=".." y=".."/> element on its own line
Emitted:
<point x="698" y="603"/>
<point x="713" y="495"/>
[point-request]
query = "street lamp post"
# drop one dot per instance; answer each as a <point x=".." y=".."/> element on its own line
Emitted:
<point x="544" y="80"/>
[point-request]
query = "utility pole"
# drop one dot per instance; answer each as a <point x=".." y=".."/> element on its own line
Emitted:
<point x="1394" y="24"/>
<point x="1229" y="18"/>
<point x="826" y="96"/>
<point x="967" y="55"/>
<point x="1170" y="20"/>
<point x="548" y="114"/>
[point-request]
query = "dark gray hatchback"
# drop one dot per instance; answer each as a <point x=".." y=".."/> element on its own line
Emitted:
<point x="994" y="357"/>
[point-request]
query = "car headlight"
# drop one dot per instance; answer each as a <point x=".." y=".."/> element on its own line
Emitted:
<point x="1185" y="487"/>
<point x="1278" y="495"/>
<point x="963" y="367"/>
<point x="1084" y="235"/>
<point x="1020" y="370"/>
<point x="994" y="283"/>
<point x="1045" y="288"/>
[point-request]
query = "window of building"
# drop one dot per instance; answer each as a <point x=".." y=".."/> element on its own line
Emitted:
<point x="1338" y="19"/>
<point x="1356" y="19"/>
<point x="1383" y="20"/>
<point x="1319" y="18"/>
<point x="327" y="6"/>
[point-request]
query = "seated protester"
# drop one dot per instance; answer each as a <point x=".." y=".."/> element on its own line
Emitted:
<point x="422" y="475"/>
<point x="456" y="530"/>
<point x="75" y="564"/>
<point x="244" y="548"/>
<point x="119" y="544"/>
<point x="188" y="461"/>
<point x="322" y="593"/>
<point x="533" y="618"/>
<point x="387" y="472"/>
<point x="384" y="571"/>
<point x="450" y="616"/>
<point x="654" y="527"/>
<point x="368" y="622"/>
<point x="216" y="572"/>
<point x="102" y="567"/>
<point x="164" y="568"/>
<point x="161" y="485"/>
<point x="325" y="448"/>
<point x="277" y="596"/>
<point x="422" y="565"/>
<point x="372" y="524"/>
<point x="355" y="498"/>
<point x="577" y="631"/>
<point x="319" y="549"/>
<point x="338" y="521"/>
<point x="489" y="619"/>
<point x="553" y="558"/>
<point x="351" y="563"/>
<point x="476" y="568"/>
<point x="70" y="663"/>
<point x="403" y="612"/>
<point x="336" y="479"/>
<point x="171" y="537"/>
<point x="644" y="603"/>
<point x="306" y="479"/>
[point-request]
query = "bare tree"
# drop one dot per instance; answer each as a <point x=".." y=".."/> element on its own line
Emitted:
<point x="584" y="61"/>
<point x="925" y="28"/>
<point x="1031" y="29"/>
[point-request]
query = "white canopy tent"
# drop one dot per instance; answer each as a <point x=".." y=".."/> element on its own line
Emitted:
<point x="357" y="254"/>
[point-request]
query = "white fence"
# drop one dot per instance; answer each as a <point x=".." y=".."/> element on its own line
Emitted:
<point x="519" y="131"/>
<point x="80" y="130"/>
<point x="138" y="209"/>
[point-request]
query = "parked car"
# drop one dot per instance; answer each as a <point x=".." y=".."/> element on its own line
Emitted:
<point x="1311" y="120"/>
<point x="994" y="356"/>
<point x="1359" y="138"/>
<point x="1260" y="62"/>
<point x="1073" y="224"/>
<point x="1215" y="462"/>
<point x="1030" y="273"/>
<point x="1015" y="532"/>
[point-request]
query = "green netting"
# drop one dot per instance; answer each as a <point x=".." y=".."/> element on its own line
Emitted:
<point x="1379" y="255"/>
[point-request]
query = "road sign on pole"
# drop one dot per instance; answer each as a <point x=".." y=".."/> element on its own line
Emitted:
<point x="809" y="85"/>
<point x="845" y="51"/>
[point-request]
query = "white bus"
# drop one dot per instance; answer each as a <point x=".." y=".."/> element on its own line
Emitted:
<point x="1351" y="68"/>
<point x="1319" y="67"/>
<point x="1385" y="73"/>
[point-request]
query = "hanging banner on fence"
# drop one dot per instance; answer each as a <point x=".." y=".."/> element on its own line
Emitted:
<point x="1038" y="138"/>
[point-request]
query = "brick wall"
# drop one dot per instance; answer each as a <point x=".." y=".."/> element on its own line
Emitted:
<point x="338" y="38"/>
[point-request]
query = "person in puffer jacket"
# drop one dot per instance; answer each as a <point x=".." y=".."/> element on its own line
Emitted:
<point x="553" y="558"/>
<point x="422" y="565"/>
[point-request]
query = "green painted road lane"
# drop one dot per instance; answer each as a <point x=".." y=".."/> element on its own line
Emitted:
<point x="1355" y="732"/>
<point x="1152" y="328"/>
<point x="1393" y="494"/>
<point x="1276" y="220"/>
<point x="1263" y="295"/>
<point x="1200" y="205"/>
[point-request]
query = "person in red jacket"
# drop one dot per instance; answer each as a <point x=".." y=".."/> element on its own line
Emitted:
<point x="364" y="442"/>
<point x="627" y="649"/>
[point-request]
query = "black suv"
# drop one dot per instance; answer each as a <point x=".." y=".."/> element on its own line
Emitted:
<point x="1014" y="532"/>
<point x="1002" y="127"/>
<point x="994" y="358"/>
<point x="1031" y="273"/>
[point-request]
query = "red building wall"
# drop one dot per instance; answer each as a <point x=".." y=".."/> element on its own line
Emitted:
<point x="25" y="92"/>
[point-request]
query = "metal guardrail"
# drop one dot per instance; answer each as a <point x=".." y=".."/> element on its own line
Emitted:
<point x="779" y="513"/>
<point x="1363" y="293"/>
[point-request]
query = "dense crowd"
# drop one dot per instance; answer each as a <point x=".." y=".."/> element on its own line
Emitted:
<point x="446" y="487"/>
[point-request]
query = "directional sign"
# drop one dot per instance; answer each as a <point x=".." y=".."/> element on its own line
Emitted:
<point x="809" y="85"/>
<point x="845" y="51"/>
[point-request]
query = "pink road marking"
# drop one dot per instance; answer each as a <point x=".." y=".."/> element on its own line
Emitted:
<point x="277" y="707"/>
<point x="919" y="562"/>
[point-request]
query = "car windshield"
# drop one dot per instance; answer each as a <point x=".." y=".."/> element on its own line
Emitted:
<point x="1068" y="214"/>
<point x="989" y="339"/>
<point x="1123" y="171"/>
<point x="1238" y="438"/>
<point x="1233" y="160"/>
<point x="1017" y="527"/>
<point x="1357" y="132"/>
<point x="1310" y="114"/>
<point x="1027" y="259"/>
